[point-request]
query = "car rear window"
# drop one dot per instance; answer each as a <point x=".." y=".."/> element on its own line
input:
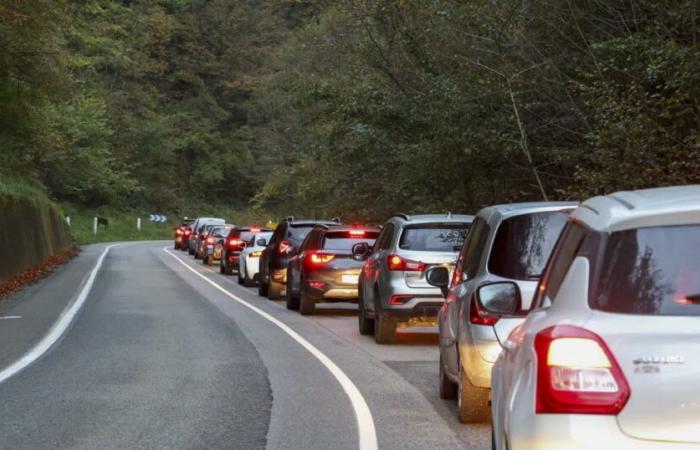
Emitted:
<point x="651" y="271"/>
<point x="344" y="241"/>
<point x="434" y="237"/>
<point x="523" y="244"/>
<point x="298" y="233"/>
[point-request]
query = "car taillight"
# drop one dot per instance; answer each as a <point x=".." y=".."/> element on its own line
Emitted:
<point x="318" y="259"/>
<point x="285" y="247"/>
<point x="255" y="230"/>
<point x="178" y="232"/>
<point x="479" y="316"/>
<point x="395" y="262"/>
<point x="317" y="284"/>
<point x="577" y="374"/>
<point x="210" y="240"/>
<point x="187" y="232"/>
<point x="235" y="244"/>
<point x="202" y="237"/>
<point x="357" y="233"/>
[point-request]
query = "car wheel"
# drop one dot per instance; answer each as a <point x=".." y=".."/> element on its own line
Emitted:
<point x="307" y="306"/>
<point x="262" y="288"/>
<point x="222" y="269"/>
<point x="384" y="328"/>
<point x="448" y="389"/>
<point x="274" y="290"/>
<point x="240" y="277"/>
<point x="228" y="270"/>
<point x="190" y="251"/>
<point x="472" y="401"/>
<point x="205" y="260"/>
<point x="493" y="439"/>
<point x="365" y="324"/>
<point x="292" y="300"/>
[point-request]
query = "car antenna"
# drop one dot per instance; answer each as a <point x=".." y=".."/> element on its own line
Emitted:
<point x="335" y="219"/>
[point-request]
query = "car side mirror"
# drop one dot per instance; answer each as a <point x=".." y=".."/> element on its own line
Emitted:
<point x="439" y="277"/>
<point x="261" y="242"/>
<point x="500" y="298"/>
<point x="360" y="251"/>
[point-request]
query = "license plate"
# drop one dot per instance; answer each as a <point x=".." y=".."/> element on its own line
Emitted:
<point x="350" y="279"/>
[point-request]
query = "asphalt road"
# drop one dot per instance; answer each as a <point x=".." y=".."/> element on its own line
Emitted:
<point x="167" y="353"/>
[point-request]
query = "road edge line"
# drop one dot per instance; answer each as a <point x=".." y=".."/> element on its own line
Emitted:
<point x="367" y="433"/>
<point x="58" y="329"/>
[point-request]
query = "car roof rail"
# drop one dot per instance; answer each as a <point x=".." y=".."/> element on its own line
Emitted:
<point x="336" y="219"/>
<point x="403" y="216"/>
<point x="290" y="219"/>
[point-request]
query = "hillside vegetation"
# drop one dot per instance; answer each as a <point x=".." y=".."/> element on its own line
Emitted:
<point x="356" y="108"/>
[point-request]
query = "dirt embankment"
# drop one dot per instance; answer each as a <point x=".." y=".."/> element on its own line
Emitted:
<point x="33" y="238"/>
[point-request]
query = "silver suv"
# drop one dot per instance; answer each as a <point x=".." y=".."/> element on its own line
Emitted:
<point x="608" y="356"/>
<point x="392" y="290"/>
<point x="507" y="248"/>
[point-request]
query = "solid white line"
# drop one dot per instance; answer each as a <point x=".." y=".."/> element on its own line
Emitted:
<point x="58" y="328"/>
<point x="10" y="317"/>
<point x="365" y="423"/>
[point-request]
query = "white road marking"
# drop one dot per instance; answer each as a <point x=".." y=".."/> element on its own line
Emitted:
<point x="58" y="328"/>
<point x="10" y="317"/>
<point x="365" y="423"/>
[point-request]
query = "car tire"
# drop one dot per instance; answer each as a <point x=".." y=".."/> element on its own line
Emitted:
<point x="262" y="288"/>
<point x="291" y="300"/>
<point x="228" y="270"/>
<point x="448" y="388"/>
<point x="306" y="304"/>
<point x="205" y="260"/>
<point x="222" y="269"/>
<point x="190" y="251"/>
<point x="247" y="281"/>
<point x="274" y="290"/>
<point x="493" y="439"/>
<point x="384" y="328"/>
<point x="472" y="401"/>
<point x="239" y="276"/>
<point x="365" y="324"/>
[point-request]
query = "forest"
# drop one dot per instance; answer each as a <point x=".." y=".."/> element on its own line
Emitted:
<point x="357" y="108"/>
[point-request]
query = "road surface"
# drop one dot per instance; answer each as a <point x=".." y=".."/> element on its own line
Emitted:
<point x="168" y="353"/>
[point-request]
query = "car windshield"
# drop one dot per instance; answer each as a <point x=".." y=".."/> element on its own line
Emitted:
<point x="434" y="237"/>
<point x="344" y="241"/>
<point x="651" y="271"/>
<point x="523" y="244"/>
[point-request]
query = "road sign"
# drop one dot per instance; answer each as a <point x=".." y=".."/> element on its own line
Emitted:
<point x="157" y="218"/>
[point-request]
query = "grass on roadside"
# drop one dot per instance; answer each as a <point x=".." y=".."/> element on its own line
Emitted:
<point x="121" y="227"/>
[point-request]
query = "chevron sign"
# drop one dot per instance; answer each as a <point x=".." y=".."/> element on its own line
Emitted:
<point x="157" y="218"/>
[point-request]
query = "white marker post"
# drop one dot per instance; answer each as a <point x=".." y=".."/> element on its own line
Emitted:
<point x="138" y="223"/>
<point x="94" y="225"/>
<point x="68" y="220"/>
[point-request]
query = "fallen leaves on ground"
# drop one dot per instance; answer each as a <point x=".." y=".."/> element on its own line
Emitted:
<point x="35" y="273"/>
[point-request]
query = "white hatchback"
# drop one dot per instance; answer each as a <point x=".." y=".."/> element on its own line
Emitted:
<point x="609" y="357"/>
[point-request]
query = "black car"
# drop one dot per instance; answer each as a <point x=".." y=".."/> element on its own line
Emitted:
<point x="273" y="262"/>
<point x="324" y="269"/>
<point x="233" y="246"/>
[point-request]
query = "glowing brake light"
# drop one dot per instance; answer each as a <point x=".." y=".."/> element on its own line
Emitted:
<point x="577" y="374"/>
<point x="210" y="240"/>
<point x="235" y="244"/>
<point x="320" y="258"/>
<point x="357" y="233"/>
<point x="188" y="232"/>
<point x="255" y="230"/>
<point x="178" y="232"/>
<point x="395" y="262"/>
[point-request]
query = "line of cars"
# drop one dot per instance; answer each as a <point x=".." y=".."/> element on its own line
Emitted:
<point x="566" y="325"/>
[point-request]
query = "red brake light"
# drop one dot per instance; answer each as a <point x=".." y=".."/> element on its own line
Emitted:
<point x="255" y="230"/>
<point x="320" y="258"/>
<point x="357" y="233"/>
<point x="188" y="232"/>
<point x="210" y="240"/>
<point x="317" y="284"/>
<point x="478" y="316"/>
<point x="395" y="262"/>
<point x="577" y="374"/>
<point x="285" y="247"/>
<point x="235" y="244"/>
<point x="178" y="232"/>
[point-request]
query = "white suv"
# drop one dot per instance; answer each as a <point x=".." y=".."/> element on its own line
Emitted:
<point x="608" y="356"/>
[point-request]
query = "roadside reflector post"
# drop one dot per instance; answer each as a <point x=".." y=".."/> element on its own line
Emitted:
<point x="68" y="220"/>
<point x="138" y="223"/>
<point x="94" y="225"/>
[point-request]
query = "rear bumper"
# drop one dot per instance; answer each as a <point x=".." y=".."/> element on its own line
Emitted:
<point x="576" y="432"/>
